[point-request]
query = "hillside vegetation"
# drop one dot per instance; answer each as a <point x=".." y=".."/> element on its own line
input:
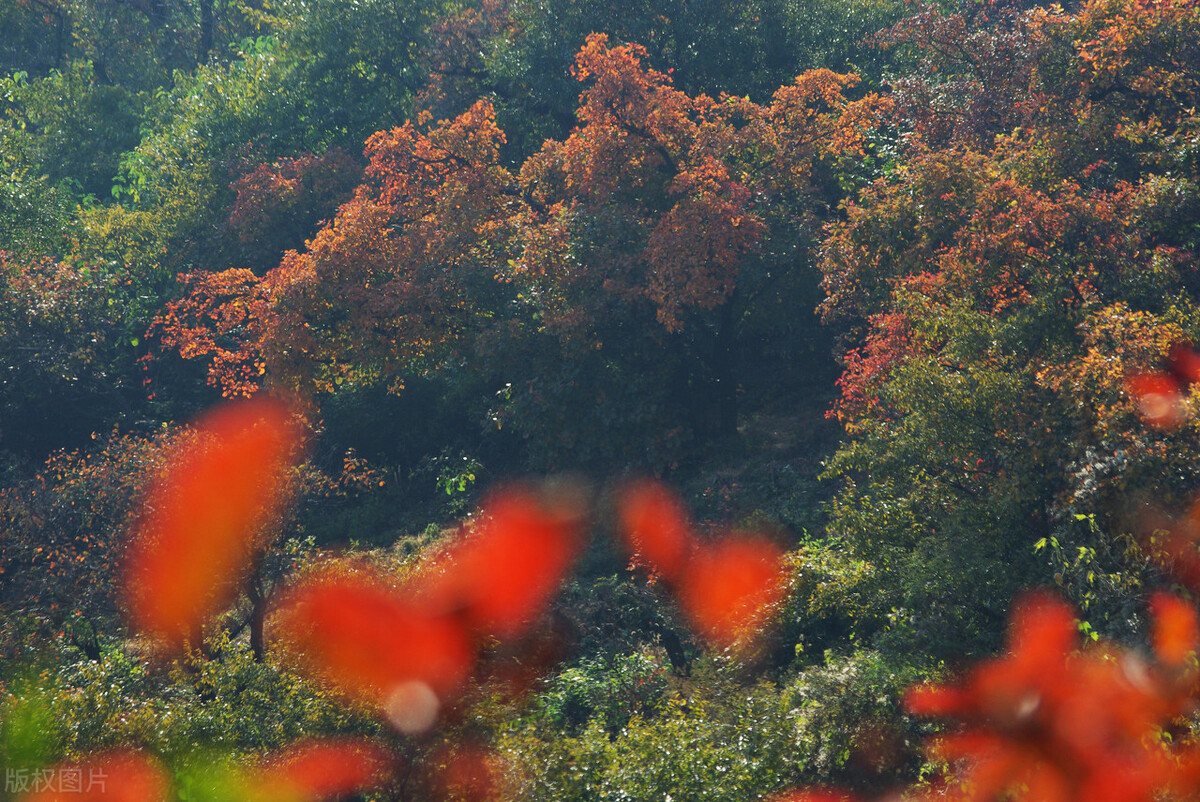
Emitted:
<point x="409" y="399"/>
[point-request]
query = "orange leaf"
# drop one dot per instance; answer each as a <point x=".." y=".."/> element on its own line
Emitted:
<point x="197" y="534"/>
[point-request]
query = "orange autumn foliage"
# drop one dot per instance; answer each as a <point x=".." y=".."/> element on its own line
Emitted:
<point x="221" y="318"/>
<point x="658" y="202"/>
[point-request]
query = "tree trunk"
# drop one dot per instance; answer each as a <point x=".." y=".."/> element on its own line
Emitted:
<point x="206" y="31"/>
<point x="258" y="617"/>
<point x="60" y="30"/>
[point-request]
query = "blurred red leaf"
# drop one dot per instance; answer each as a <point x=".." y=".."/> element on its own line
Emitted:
<point x="376" y="644"/>
<point x="502" y="575"/>
<point x="812" y="795"/>
<point x="1176" y="630"/>
<point x="1175" y="543"/>
<point x="1060" y="724"/>
<point x="935" y="700"/>
<point x="730" y="586"/>
<point x="467" y="771"/>
<point x="197" y="533"/>
<point x="318" y="769"/>
<point x="656" y="527"/>
<point x="1185" y="363"/>
<point x="726" y="587"/>
<point x="113" y="777"/>
<point x="1042" y="632"/>
<point x="1159" y="398"/>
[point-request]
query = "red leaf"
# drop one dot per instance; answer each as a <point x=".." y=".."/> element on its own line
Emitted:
<point x="730" y="586"/>
<point x="1176" y="630"/>
<point x="503" y="574"/>
<point x="812" y="795"/>
<point x="1185" y="363"/>
<point x="1043" y="631"/>
<point x="318" y="769"/>
<point x="197" y="533"/>
<point x="1159" y="399"/>
<point x="467" y="772"/>
<point x="656" y="527"/>
<point x="1172" y="542"/>
<point x="936" y="700"/>
<point x="376" y="644"/>
<point x="114" y="777"/>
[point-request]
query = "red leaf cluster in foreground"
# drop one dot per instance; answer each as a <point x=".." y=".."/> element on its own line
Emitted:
<point x="1162" y="399"/>
<point x="1048" y="722"/>
<point x="111" y="777"/>
<point x="402" y="648"/>
<point x="317" y="769"/>
<point x="407" y="649"/>
<point x="1059" y="724"/>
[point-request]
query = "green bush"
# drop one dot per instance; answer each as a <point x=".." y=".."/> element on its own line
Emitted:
<point x="610" y="691"/>
<point x="716" y="738"/>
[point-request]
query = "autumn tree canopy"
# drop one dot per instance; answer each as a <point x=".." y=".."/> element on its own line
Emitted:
<point x="653" y="232"/>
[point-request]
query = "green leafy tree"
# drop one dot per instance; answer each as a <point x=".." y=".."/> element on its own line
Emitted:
<point x="1004" y="293"/>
